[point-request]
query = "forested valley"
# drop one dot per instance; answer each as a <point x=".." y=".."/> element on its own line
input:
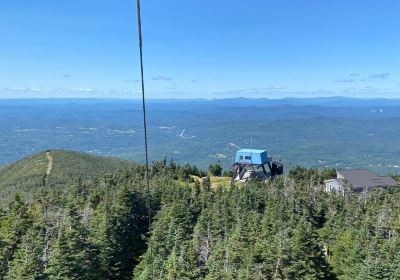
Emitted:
<point x="287" y="228"/>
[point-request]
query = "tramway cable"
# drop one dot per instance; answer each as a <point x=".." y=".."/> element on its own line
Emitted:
<point x="139" y="24"/>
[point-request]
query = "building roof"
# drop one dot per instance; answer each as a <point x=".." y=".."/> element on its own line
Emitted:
<point x="253" y="151"/>
<point x="364" y="178"/>
<point x="330" y="180"/>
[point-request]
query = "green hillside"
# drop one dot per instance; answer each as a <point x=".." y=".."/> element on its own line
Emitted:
<point x="97" y="227"/>
<point x="29" y="174"/>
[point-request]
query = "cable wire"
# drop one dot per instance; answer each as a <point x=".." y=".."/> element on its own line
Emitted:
<point x="139" y="23"/>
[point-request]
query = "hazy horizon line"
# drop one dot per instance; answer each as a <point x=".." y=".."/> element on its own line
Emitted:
<point x="198" y="98"/>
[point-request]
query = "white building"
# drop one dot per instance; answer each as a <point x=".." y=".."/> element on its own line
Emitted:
<point x="333" y="185"/>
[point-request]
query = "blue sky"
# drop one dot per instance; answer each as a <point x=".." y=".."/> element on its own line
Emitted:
<point x="200" y="48"/>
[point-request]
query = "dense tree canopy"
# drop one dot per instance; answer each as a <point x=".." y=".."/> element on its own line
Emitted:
<point x="287" y="228"/>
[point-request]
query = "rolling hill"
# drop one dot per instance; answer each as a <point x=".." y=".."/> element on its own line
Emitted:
<point x="54" y="168"/>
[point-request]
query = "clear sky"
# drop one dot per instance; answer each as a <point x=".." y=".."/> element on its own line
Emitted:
<point x="200" y="48"/>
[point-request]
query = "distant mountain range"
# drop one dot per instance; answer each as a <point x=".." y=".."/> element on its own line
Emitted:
<point x="334" y="101"/>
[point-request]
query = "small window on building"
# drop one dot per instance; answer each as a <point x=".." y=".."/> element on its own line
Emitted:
<point x="247" y="157"/>
<point x="241" y="157"/>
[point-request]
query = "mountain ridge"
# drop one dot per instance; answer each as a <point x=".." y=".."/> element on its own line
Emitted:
<point x="36" y="171"/>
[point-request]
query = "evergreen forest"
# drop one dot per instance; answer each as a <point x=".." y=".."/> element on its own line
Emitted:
<point x="96" y="226"/>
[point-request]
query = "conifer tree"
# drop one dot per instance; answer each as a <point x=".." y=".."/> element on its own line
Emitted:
<point x="13" y="226"/>
<point x="74" y="256"/>
<point x="28" y="262"/>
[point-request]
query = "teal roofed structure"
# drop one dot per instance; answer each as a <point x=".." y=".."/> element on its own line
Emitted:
<point x="251" y="156"/>
<point x="249" y="161"/>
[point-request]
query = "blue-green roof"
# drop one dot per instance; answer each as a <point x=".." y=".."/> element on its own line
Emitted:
<point x="253" y="151"/>
<point x="251" y="156"/>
